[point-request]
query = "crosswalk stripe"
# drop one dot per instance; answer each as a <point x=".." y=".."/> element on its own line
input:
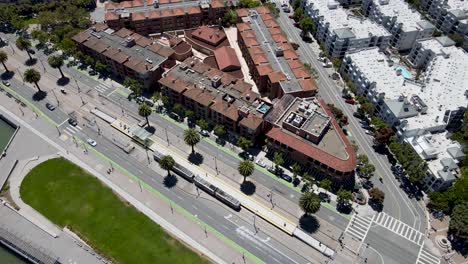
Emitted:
<point x="357" y="235"/>
<point x="430" y="255"/>
<point x="70" y="130"/>
<point x="80" y="128"/>
<point x="400" y="226"/>
<point x="68" y="133"/>
<point x="396" y="226"/>
<point x="408" y="229"/>
<point x="73" y="129"/>
<point x="429" y="259"/>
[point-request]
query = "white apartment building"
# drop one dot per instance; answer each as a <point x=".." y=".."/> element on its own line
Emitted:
<point x="339" y="31"/>
<point x="425" y="50"/>
<point x="403" y="21"/>
<point x="442" y="156"/>
<point x="416" y="109"/>
<point x="450" y="15"/>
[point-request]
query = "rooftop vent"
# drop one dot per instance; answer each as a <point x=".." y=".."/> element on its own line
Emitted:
<point x="279" y="51"/>
<point x="216" y="81"/>
<point x="183" y="66"/>
<point x="96" y="34"/>
<point x="149" y="61"/>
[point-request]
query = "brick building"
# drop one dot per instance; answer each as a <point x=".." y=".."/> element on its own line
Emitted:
<point x="127" y="54"/>
<point x="305" y="131"/>
<point x="274" y="65"/>
<point x="149" y="16"/>
<point x="216" y="96"/>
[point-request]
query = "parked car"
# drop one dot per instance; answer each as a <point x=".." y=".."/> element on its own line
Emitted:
<point x="50" y="106"/>
<point x="367" y="185"/>
<point x="324" y="197"/>
<point x="291" y="16"/>
<point x="286" y="177"/>
<point x="260" y="163"/>
<point x="6" y="83"/>
<point x="140" y="99"/>
<point x="286" y="9"/>
<point x="358" y="115"/>
<point x="296" y="24"/>
<point x="149" y="103"/>
<point x="91" y="142"/>
<point x="72" y="122"/>
<point x="350" y="101"/>
<point x="205" y="133"/>
<point x="368" y="132"/>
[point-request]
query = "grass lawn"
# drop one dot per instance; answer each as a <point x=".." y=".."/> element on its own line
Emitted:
<point x="69" y="196"/>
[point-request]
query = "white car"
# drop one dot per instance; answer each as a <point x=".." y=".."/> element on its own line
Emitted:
<point x="205" y="133"/>
<point x="6" y="83"/>
<point x="368" y="132"/>
<point x="91" y="142"/>
<point x="260" y="163"/>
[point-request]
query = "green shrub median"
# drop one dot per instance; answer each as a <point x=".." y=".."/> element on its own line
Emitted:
<point x="69" y="196"/>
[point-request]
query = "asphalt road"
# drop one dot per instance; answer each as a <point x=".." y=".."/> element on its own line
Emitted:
<point x="214" y="214"/>
<point x="396" y="201"/>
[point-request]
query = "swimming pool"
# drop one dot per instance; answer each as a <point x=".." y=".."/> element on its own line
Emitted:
<point x="404" y="72"/>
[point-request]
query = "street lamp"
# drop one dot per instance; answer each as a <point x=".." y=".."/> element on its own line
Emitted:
<point x="82" y="101"/>
<point x="77" y="86"/>
<point x="216" y="163"/>
<point x="58" y="102"/>
<point x="167" y="137"/>
<point x="254" y="225"/>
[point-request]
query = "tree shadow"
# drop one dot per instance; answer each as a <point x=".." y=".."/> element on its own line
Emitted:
<point x="344" y="209"/>
<point x="221" y="141"/>
<point x="31" y="62"/>
<point x="63" y="81"/>
<point x="170" y="181"/>
<point x="8" y="75"/>
<point x="195" y="158"/>
<point x="150" y="129"/>
<point x="39" y="95"/>
<point x="309" y="223"/>
<point x="248" y="188"/>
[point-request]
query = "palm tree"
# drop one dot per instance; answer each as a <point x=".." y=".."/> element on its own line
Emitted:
<point x="145" y="111"/>
<point x="23" y="44"/>
<point x="32" y="76"/>
<point x="3" y="59"/>
<point x="56" y="62"/>
<point x="309" y="203"/>
<point x="167" y="163"/>
<point x="245" y="168"/>
<point x="191" y="138"/>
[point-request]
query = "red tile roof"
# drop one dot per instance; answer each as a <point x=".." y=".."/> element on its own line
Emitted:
<point x="251" y="121"/>
<point x="315" y="153"/>
<point x="262" y="10"/>
<point x="243" y="26"/>
<point x="225" y="109"/>
<point x="271" y="23"/>
<point x="109" y="16"/>
<point x="243" y="12"/>
<point x="226" y="58"/>
<point x="308" y="85"/>
<point x="301" y="73"/>
<point x="123" y="33"/>
<point x="217" y="4"/>
<point x="260" y="59"/>
<point x="173" y="83"/>
<point x="264" y="69"/>
<point x="294" y="64"/>
<point x="210" y="35"/>
<point x="276" y="77"/>
<point x="290" y="55"/>
<point x="138" y="16"/>
<point x="194" y="10"/>
<point x="279" y="38"/>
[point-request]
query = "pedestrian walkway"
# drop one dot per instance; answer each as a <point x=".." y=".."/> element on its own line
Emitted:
<point x="426" y="257"/>
<point x="102" y="88"/>
<point x="71" y="130"/>
<point x="359" y="226"/>
<point x="399" y="228"/>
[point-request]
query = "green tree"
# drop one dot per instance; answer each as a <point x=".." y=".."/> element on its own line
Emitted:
<point x="3" y="59"/>
<point x="202" y="124"/>
<point x="134" y="85"/>
<point x="344" y="198"/>
<point x="56" y="62"/>
<point x="249" y="3"/>
<point x="24" y="44"/>
<point x="32" y="76"/>
<point x="88" y="60"/>
<point x="278" y="160"/>
<point x="298" y="14"/>
<point x="219" y="130"/>
<point x="337" y="63"/>
<point x="189" y="114"/>
<point x="166" y="101"/>
<point x="377" y="195"/>
<point x="145" y="111"/>
<point x="383" y="135"/>
<point x="309" y="203"/>
<point x="191" y="138"/>
<point x="325" y="184"/>
<point x="156" y="97"/>
<point x="40" y="36"/>
<point x="378" y="123"/>
<point x="366" y="170"/>
<point x="368" y="108"/>
<point x="306" y="24"/>
<point x="296" y="4"/>
<point x="246" y="168"/>
<point x="230" y="17"/>
<point x="296" y="169"/>
<point x="273" y="9"/>
<point x="167" y="163"/>
<point x="459" y="221"/>
<point x="363" y="158"/>
<point x="100" y="67"/>
<point x="179" y="110"/>
<point x="244" y="143"/>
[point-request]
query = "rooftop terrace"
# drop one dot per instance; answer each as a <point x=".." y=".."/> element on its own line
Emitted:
<point x="405" y="14"/>
<point x="443" y="88"/>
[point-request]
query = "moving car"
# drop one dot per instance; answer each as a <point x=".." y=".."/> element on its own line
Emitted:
<point x="72" y="122"/>
<point x="91" y="142"/>
<point x="50" y="106"/>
